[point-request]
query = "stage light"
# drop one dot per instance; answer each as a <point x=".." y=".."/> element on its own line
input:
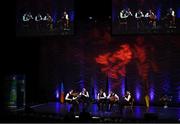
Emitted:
<point x="71" y="15"/>
<point x="178" y="13"/>
<point x="151" y="94"/>
<point x="137" y="93"/>
<point x="57" y="94"/>
<point x="95" y="89"/>
<point x="109" y="85"/>
<point x="62" y="93"/>
<point x="122" y="88"/>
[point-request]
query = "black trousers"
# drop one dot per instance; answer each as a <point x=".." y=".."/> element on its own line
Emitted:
<point x="75" y="104"/>
<point x="101" y="104"/>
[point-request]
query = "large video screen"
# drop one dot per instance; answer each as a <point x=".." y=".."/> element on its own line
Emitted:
<point x="45" y="17"/>
<point x="145" y="16"/>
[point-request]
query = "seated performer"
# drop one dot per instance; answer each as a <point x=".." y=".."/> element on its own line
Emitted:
<point x="139" y="15"/>
<point x="38" y="20"/>
<point x="112" y="99"/>
<point x="129" y="13"/>
<point x="101" y="99"/>
<point x="151" y="18"/>
<point x="27" y="19"/>
<point x="72" y="98"/>
<point x="84" y="97"/>
<point x="123" y="14"/>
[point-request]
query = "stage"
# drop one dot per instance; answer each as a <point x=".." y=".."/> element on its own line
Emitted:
<point x="55" y="112"/>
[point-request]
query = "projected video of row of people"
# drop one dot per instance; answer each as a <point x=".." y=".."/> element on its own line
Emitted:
<point x="104" y="102"/>
<point x="149" y="20"/>
<point x="45" y="22"/>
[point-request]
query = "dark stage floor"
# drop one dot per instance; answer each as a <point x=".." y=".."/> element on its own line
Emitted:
<point x="154" y="114"/>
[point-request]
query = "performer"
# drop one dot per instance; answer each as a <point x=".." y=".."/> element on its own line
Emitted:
<point x="27" y="19"/>
<point x="38" y="17"/>
<point x="123" y="14"/>
<point x="127" y="98"/>
<point x="139" y="15"/>
<point x="38" y="20"/>
<point x="84" y="97"/>
<point x="49" y="21"/>
<point x="72" y="98"/>
<point x="27" y="16"/>
<point x="112" y="99"/>
<point x="129" y="13"/>
<point x="123" y="18"/>
<point x="172" y="17"/>
<point x="65" y="20"/>
<point x="101" y="99"/>
<point x="151" y="18"/>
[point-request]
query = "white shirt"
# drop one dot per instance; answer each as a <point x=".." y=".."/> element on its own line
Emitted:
<point x="148" y="14"/>
<point x="123" y="15"/>
<point x="25" y="18"/>
<point x="173" y="13"/>
<point x="67" y="17"/>
<point x="130" y="13"/>
<point x="86" y="95"/>
<point x="45" y="18"/>
<point x="136" y="15"/>
<point x="38" y="18"/>
<point x="67" y="97"/>
<point x="128" y="98"/>
<point x="114" y="95"/>
<point x="104" y="96"/>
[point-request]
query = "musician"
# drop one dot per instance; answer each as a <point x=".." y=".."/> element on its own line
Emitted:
<point x="112" y="99"/>
<point x="65" y="19"/>
<point x="72" y="98"/>
<point x="151" y="18"/>
<point x="27" y="16"/>
<point x="27" y="19"/>
<point x="129" y="13"/>
<point x="84" y="97"/>
<point x="38" y="20"/>
<point x="123" y="14"/>
<point x="123" y="18"/>
<point x="139" y="15"/>
<point x="127" y="98"/>
<point x="84" y="94"/>
<point x="38" y="17"/>
<point x="172" y="17"/>
<point x="48" y="19"/>
<point x="101" y="99"/>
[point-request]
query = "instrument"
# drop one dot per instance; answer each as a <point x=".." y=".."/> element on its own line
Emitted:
<point x="152" y="17"/>
<point x="113" y="99"/>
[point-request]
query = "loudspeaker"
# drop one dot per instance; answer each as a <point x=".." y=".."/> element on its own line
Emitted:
<point x="21" y="91"/>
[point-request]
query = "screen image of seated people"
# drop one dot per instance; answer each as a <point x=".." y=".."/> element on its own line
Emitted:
<point x="145" y="16"/>
<point x="45" y="17"/>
